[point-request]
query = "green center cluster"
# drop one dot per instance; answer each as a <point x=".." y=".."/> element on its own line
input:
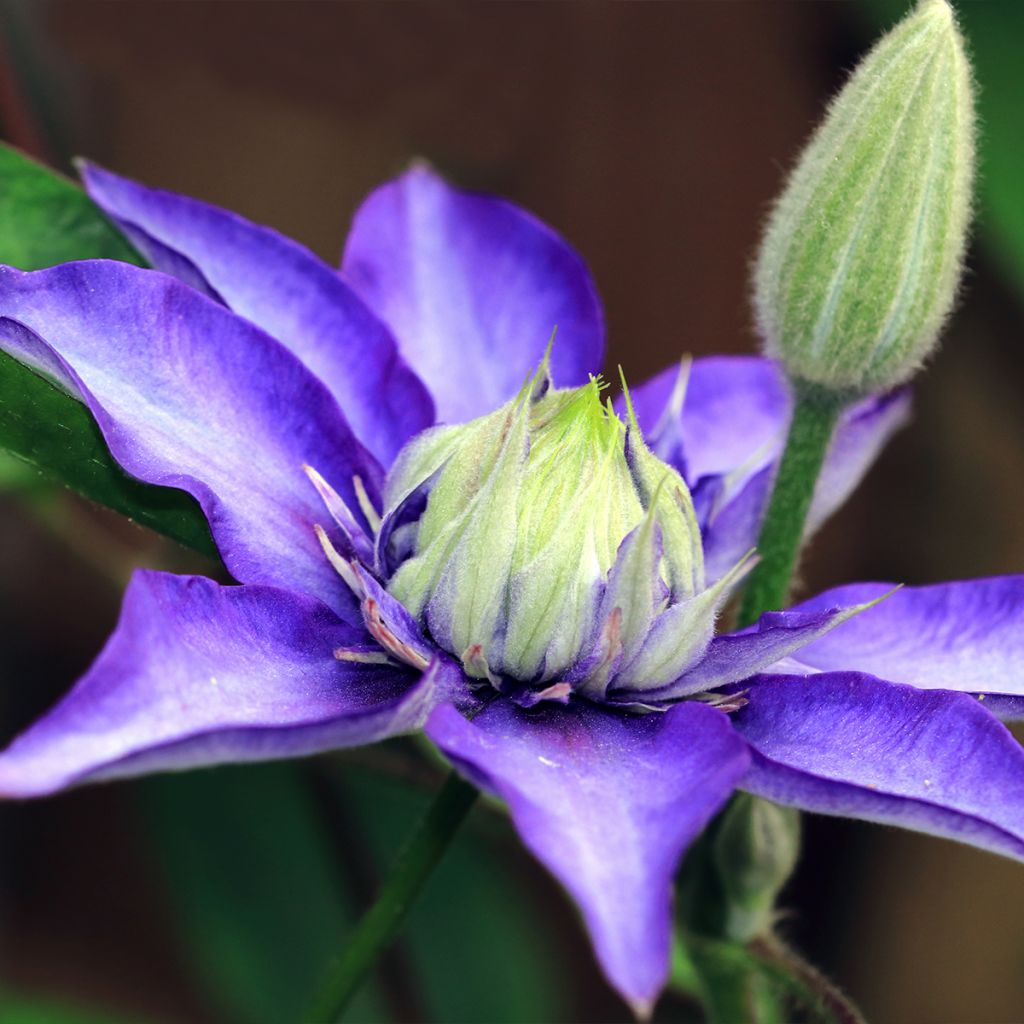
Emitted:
<point x="518" y="559"/>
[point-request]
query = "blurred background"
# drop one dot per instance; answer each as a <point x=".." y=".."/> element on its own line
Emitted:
<point x="653" y="136"/>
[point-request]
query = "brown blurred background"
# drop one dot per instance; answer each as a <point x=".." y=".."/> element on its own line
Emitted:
<point x="653" y="136"/>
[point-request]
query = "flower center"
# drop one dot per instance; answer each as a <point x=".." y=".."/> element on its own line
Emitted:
<point x="544" y="547"/>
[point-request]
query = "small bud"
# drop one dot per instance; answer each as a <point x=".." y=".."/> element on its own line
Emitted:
<point x="861" y="258"/>
<point x="755" y="850"/>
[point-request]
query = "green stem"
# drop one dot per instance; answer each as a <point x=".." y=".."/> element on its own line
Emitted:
<point x="734" y="986"/>
<point x="806" y="982"/>
<point x="810" y="431"/>
<point x="382" y="921"/>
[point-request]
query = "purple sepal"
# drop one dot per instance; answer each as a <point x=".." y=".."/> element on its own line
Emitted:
<point x="734" y="408"/>
<point x="287" y="291"/>
<point x="966" y="635"/>
<point x="189" y="395"/>
<point x="608" y="802"/>
<point x="731" y="427"/>
<point x="737" y="656"/>
<point x="396" y="538"/>
<point x="1006" y="709"/>
<point x="472" y="287"/>
<point x="849" y="744"/>
<point x="200" y="674"/>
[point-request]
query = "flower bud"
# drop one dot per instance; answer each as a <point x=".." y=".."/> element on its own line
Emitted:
<point x="755" y="850"/>
<point x="860" y="262"/>
<point x="544" y="544"/>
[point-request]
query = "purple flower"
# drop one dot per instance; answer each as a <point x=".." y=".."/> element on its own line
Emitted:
<point x="243" y="358"/>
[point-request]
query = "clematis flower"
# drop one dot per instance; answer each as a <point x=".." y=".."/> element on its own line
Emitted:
<point x="429" y="532"/>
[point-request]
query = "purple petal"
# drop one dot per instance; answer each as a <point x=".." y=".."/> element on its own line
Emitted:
<point x="608" y="802"/>
<point x="849" y="744"/>
<point x="734" y="523"/>
<point x="734" y="407"/>
<point x="198" y="674"/>
<point x="1006" y="709"/>
<point x="966" y="635"/>
<point x="726" y="438"/>
<point x="472" y="287"/>
<point x="737" y="656"/>
<point x="189" y="395"/>
<point x="282" y="287"/>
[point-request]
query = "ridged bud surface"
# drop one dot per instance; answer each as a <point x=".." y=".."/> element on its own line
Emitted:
<point x="544" y="542"/>
<point x="861" y="259"/>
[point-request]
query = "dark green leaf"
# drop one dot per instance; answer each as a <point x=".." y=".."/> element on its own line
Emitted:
<point x="46" y="427"/>
<point x="46" y="219"/>
<point x="15" y="475"/>
<point x="256" y="886"/>
<point x="23" y="1010"/>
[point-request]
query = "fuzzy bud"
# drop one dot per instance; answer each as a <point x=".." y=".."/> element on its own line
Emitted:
<point x="755" y="850"/>
<point x="861" y="259"/>
<point x="543" y="538"/>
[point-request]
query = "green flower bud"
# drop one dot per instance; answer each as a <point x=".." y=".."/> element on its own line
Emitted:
<point x="754" y="852"/>
<point x="509" y="564"/>
<point x="861" y="258"/>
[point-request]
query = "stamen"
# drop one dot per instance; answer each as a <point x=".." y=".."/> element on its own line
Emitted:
<point x="362" y="656"/>
<point x="560" y="692"/>
<point x="342" y="515"/>
<point x="340" y="565"/>
<point x="371" y="515"/>
<point x="727" y="702"/>
<point x="380" y="632"/>
<point x="474" y="661"/>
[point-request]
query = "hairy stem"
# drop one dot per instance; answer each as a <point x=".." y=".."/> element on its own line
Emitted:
<point x="383" y="920"/>
<point x="816" y="991"/>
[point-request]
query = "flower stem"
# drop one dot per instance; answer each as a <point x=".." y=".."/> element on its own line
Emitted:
<point x="810" y="431"/>
<point x="382" y="921"/>
<point x="732" y="985"/>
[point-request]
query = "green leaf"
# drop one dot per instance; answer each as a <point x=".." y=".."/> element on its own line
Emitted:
<point x="47" y="428"/>
<point x="15" y="475"/>
<point x="44" y="220"/>
<point x="25" y="1010"/>
<point x="256" y="886"/>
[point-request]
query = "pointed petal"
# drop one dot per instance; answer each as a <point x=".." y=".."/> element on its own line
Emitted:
<point x="966" y="635"/>
<point x="283" y="288"/>
<point x="608" y="802"/>
<point x="678" y="639"/>
<point x="849" y="744"/>
<point x="737" y="656"/>
<point x="634" y="586"/>
<point x="472" y="287"/>
<point x="189" y="395"/>
<point x="199" y="674"/>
